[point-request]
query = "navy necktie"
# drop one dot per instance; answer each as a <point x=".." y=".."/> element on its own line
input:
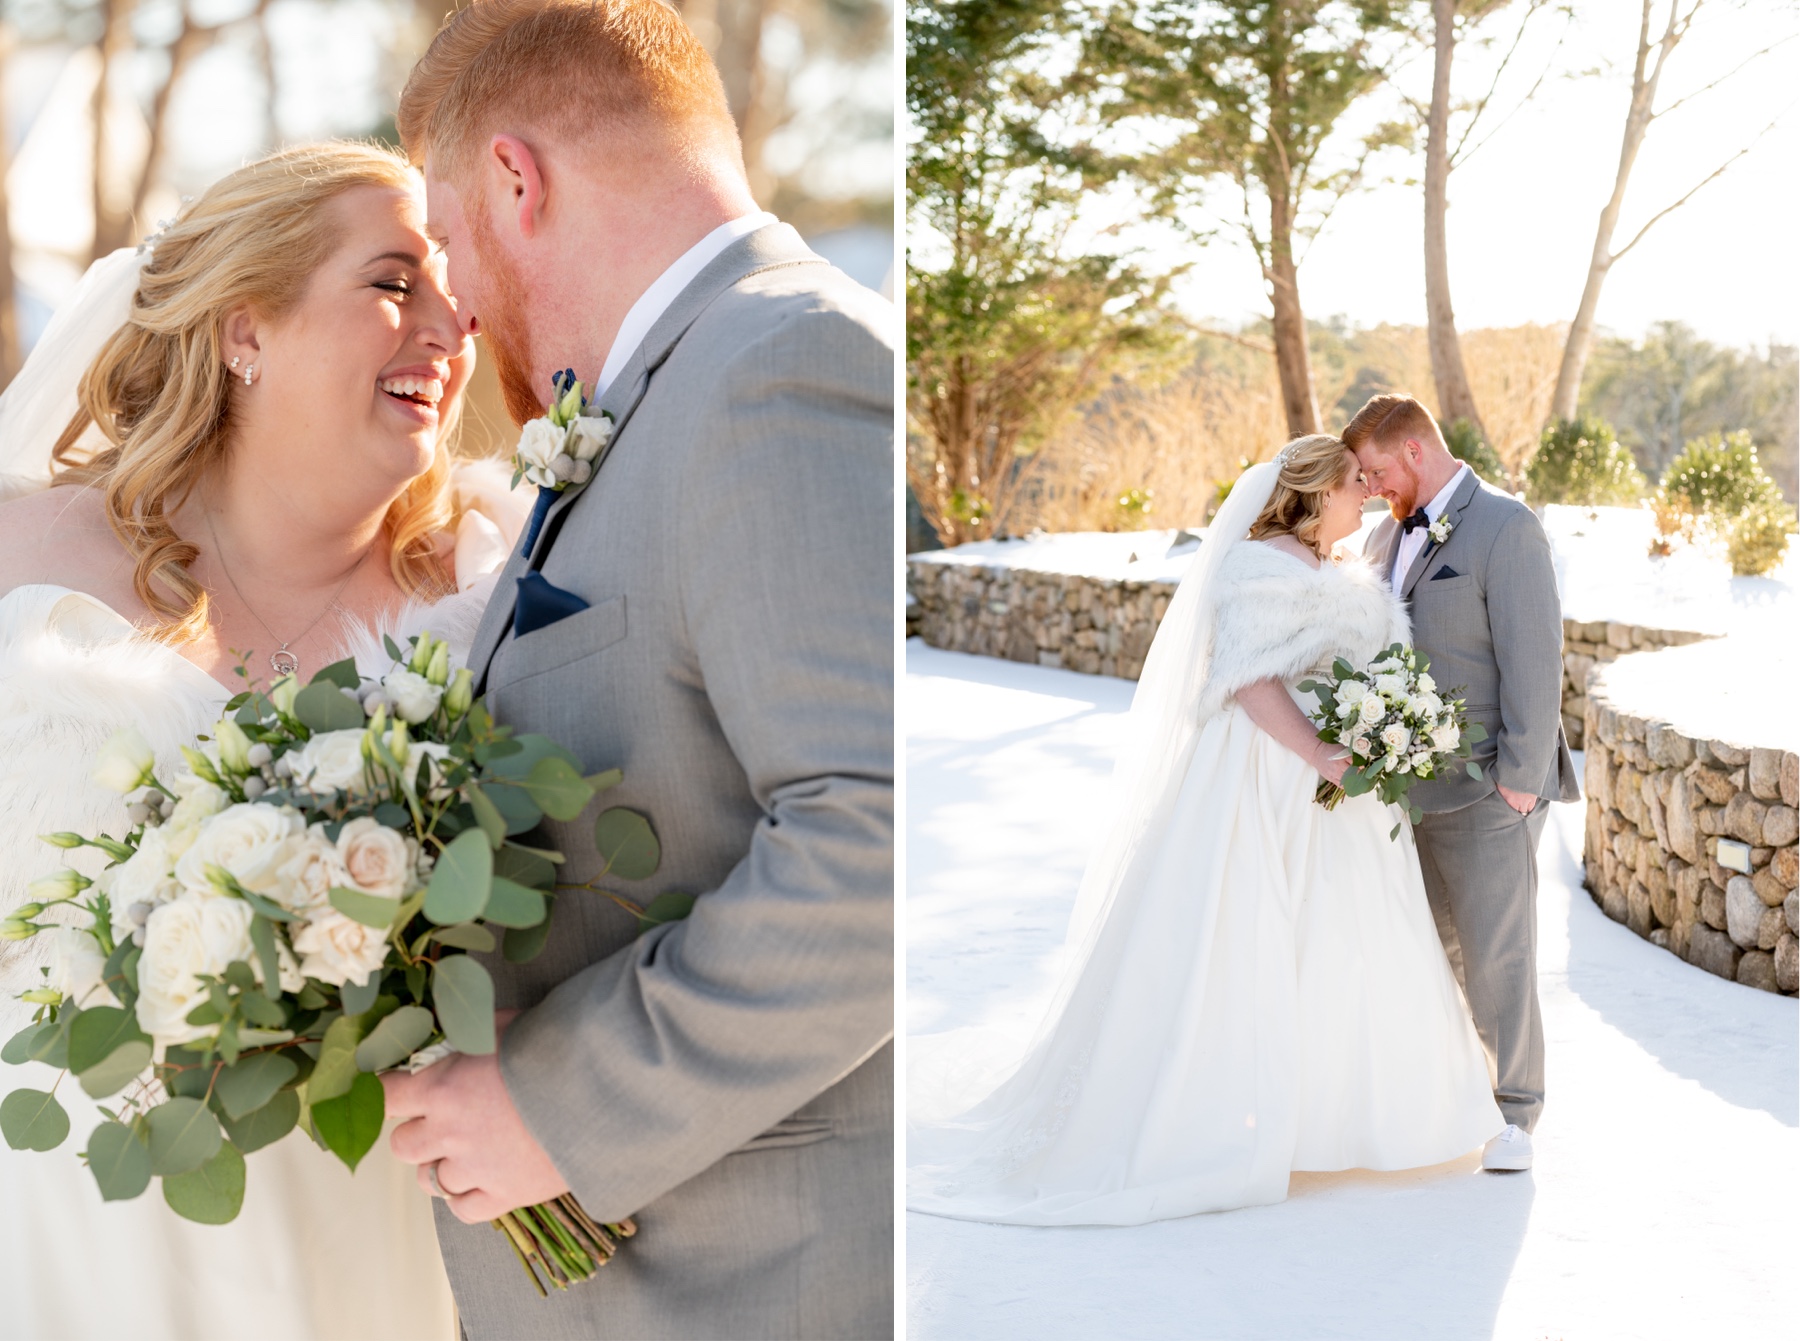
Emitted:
<point x="1412" y="523"/>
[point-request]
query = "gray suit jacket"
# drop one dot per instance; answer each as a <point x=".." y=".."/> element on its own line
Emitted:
<point x="1492" y="626"/>
<point x="727" y="1079"/>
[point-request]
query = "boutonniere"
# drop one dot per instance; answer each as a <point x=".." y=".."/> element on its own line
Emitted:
<point x="557" y="450"/>
<point x="1439" y="530"/>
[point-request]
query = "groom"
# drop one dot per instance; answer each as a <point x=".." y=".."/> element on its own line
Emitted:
<point x="713" y="614"/>
<point x="1473" y="565"/>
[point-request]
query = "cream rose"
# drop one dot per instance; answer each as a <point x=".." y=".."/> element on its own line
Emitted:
<point x="1396" y="738"/>
<point x="184" y="938"/>
<point x="378" y="860"/>
<point x="587" y="435"/>
<point x="1352" y="691"/>
<point x="331" y="759"/>
<point x="414" y="697"/>
<point x="251" y="841"/>
<point x="1426" y="684"/>
<point x="311" y="871"/>
<point x="146" y="878"/>
<point x="539" y="445"/>
<point x="1447" y="737"/>
<point x="338" y="949"/>
<point x="1371" y="710"/>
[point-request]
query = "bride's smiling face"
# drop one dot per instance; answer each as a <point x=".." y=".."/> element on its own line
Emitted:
<point x="365" y="369"/>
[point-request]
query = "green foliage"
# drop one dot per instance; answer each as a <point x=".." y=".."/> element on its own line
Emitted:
<point x="394" y="1039"/>
<point x="627" y="844"/>
<point x="463" y="993"/>
<point x="211" y="1194"/>
<point x="119" y="1161"/>
<point x="1580" y="461"/>
<point x="1757" y="540"/>
<point x="462" y="880"/>
<point x="1467" y="444"/>
<point x="1718" y="485"/>
<point x="183" y="1135"/>
<point x="350" y="1123"/>
<point x="246" y="1087"/>
<point x="33" y="1120"/>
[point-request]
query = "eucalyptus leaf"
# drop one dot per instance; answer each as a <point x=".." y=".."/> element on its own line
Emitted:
<point x="265" y="1125"/>
<point x="262" y="939"/>
<point x="183" y="1136"/>
<point x="393" y="816"/>
<point x="627" y="844"/>
<point x="395" y="1039"/>
<point x="212" y="1194"/>
<point x="392" y="648"/>
<point x="523" y="944"/>
<point x="246" y="1087"/>
<point x="119" y="1160"/>
<point x="487" y="815"/>
<point x="343" y="674"/>
<point x="323" y="706"/>
<point x="118" y="1069"/>
<point x="557" y="788"/>
<point x="524" y="867"/>
<point x="18" y="1048"/>
<point x="372" y="910"/>
<point x="517" y="811"/>
<point x="33" y="1120"/>
<point x="464" y="995"/>
<point x="670" y="906"/>
<point x="267" y="907"/>
<point x="461" y="880"/>
<point x="465" y="936"/>
<point x="359" y="996"/>
<point x="261" y="1012"/>
<point x="511" y="905"/>
<point x="532" y="748"/>
<point x="95" y="1033"/>
<point x="350" y="1124"/>
<point x="336" y="1066"/>
<point x="600" y="782"/>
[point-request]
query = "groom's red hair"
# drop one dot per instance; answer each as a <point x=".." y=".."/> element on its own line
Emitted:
<point x="576" y="70"/>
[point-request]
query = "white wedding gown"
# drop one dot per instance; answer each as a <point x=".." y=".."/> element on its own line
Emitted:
<point x="1265" y="991"/>
<point x="316" y="1254"/>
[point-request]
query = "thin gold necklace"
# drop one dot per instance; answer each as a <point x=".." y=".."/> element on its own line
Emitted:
<point x="281" y="661"/>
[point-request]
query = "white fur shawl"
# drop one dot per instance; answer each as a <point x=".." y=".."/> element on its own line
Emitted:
<point x="1278" y="618"/>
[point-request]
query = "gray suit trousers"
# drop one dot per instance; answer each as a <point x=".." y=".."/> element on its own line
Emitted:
<point x="1480" y="869"/>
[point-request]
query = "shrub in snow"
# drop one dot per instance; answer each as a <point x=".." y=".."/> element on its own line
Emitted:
<point x="1580" y="461"/>
<point x="1466" y="444"/>
<point x="1717" y="485"/>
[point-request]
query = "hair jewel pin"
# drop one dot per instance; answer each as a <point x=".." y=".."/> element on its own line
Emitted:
<point x="151" y="239"/>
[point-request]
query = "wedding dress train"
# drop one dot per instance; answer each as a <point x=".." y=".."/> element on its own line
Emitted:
<point x="316" y="1252"/>
<point x="1261" y="988"/>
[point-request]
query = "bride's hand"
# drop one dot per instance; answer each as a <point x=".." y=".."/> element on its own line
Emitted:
<point x="1334" y="768"/>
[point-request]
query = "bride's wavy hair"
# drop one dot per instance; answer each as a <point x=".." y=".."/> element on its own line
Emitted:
<point x="160" y="392"/>
<point x="1310" y="468"/>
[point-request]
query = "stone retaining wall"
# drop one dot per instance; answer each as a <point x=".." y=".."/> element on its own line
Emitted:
<point x="1659" y="804"/>
<point x="1590" y="643"/>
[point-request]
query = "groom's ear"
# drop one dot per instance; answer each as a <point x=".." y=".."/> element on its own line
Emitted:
<point x="513" y="171"/>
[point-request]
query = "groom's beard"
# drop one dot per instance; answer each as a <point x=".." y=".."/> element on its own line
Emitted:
<point x="503" y="323"/>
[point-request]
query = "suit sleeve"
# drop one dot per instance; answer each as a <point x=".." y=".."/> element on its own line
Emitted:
<point x="1525" y="622"/>
<point x="706" y="1032"/>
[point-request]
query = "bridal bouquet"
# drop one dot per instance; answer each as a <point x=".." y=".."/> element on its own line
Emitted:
<point x="292" y="914"/>
<point x="1398" y="729"/>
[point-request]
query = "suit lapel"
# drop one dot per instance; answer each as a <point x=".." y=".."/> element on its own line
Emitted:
<point x="1465" y="492"/>
<point x="767" y="248"/>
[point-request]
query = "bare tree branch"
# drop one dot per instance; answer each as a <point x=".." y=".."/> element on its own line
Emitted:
<point x="1707" y="88"/>
<point x="1460" y="155"/>
<point x="1713" y="176"/>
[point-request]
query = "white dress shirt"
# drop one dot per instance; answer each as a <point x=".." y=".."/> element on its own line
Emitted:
<point x="655" y="300"/>
<point x="1413" y="541"/>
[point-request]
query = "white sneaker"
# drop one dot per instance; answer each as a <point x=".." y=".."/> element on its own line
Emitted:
<point x="1509" y="1152"/>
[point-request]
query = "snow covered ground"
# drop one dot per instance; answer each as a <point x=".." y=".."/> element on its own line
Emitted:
<point x="1664" y="1200"/>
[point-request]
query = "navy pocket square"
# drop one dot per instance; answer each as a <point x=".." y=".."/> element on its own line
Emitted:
<point x="541" y="603"/>
<point x="1445" y="571"/>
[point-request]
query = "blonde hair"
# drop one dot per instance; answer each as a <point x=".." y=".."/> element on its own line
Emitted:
<point x="160" y="393"/>
<point x="1388" y="420"/>
<point x="1310" y="467"/>
<point x="576" y="68"/>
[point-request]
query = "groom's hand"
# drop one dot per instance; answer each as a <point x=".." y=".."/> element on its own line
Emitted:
<point x="458" y="1115"/>
<point x="1523" y="802"/>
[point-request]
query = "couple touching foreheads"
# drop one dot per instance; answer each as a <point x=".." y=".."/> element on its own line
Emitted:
<point x="237" y="438"/>
<point x="1255" y="984"/>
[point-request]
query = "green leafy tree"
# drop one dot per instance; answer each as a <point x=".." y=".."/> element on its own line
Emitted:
<point x="1008" y="326"/>
<point x="1249" y="93"/>
<point x="1718" y="486"/>
<point x="1581" y="461"/>
<point x="1466" y="443"/>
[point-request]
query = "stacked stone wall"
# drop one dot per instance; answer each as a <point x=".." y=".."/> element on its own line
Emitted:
<point x="1591" y="643"/>
<point x="1660" y="803"/>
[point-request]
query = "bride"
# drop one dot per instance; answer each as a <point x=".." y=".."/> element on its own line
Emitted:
<point x="233" y="438"/>
<point x="1254" y="984"/>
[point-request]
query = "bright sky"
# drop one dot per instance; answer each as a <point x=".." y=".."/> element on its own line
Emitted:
<point x="1524" y="209"/>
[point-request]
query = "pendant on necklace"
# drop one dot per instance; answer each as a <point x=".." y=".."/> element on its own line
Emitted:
<point x="284" y="661"/>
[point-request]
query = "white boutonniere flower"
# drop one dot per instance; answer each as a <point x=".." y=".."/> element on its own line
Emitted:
<point x="558" y="449"/>
<point x="1439" y="530"/>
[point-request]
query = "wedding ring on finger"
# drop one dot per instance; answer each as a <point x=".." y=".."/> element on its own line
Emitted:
<point x="437" y="1188"/>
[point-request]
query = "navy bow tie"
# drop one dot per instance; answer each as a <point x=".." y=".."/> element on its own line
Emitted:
<point x="1412" y="523"/>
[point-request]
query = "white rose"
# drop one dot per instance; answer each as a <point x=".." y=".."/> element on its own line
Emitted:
<point x="77" y="966"/>
<point x="251" y="841"/>
<point x="338" y="949"/>
<point x="1352" y="691"/>
<point x="379" y="860"/>
<point x="1361" y="746"/>
<point x="1395" y="737"/>
<point x="1415" y="707"/>
<point x="539" y="445"/>
<point x="414" y="697"/>
<point x="185" y="938"/>
<point x="587" y="435"/>
<point x="1427" y="685"/>
<point x="331" y="759"/>
<point x="125" y="762"/>
<point x="1372" y="710"/>
<point x="1432" y="703"/>
<point x="1446" y="737"/>
<point x="311" y="871"/>
<point x="1390" y="686"/>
